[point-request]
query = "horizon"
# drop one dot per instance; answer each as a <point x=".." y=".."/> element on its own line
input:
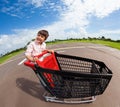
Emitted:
<point x="88" y="38"/>
<point x="64" y="19"/>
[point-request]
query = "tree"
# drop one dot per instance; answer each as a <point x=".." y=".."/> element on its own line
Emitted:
<point x="103" y="38"/>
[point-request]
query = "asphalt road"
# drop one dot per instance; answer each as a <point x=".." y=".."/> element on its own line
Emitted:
<point x="19" y="86"/>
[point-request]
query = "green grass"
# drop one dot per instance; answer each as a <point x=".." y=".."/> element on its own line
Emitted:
<point x="112" y="44"/>
<point x="8" y="56"/>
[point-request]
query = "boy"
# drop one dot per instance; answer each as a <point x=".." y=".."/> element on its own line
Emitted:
<point x="37" y="46"/>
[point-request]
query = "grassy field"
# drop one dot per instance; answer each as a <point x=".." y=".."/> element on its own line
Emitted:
<point x="8" y="56"/>
<point x="112" y="44"/>
<point x="103" y="42"/>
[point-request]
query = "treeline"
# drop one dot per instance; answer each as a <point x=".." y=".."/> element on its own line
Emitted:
<point x="88" y="38"/>
<point x="102" y="38"/>
<point x="16" y="50"/>
<point x="57" y="40"/>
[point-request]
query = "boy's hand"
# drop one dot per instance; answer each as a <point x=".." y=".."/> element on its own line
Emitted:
<point x="35" y="58"/>
<point x="50" y="51"/>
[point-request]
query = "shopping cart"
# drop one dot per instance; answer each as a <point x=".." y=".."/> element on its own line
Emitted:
<point x="70" y="79"/>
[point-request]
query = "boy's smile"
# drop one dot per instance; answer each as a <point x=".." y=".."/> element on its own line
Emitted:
<point x="40" y="39"/>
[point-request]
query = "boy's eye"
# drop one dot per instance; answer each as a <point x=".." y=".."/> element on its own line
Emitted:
<point x="38" y="35"/>
<point x="42" y="36"/>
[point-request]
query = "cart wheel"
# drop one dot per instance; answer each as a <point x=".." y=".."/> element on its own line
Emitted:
<point x="47" y="100"/>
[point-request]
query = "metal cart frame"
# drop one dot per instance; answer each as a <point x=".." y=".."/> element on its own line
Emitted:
<point x="71" y="79"/>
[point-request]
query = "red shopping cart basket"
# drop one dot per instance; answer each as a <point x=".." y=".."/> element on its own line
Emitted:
<point x="68" y="78"/>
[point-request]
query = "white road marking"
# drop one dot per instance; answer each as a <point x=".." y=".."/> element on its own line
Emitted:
<point x="60" y="51"/>
<point x="68" y="48"/>
<point x="21" y="62"/>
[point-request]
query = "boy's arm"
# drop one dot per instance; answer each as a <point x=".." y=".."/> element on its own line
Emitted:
<point x="33" y="59"/>
<point x="50" y="51"/>
<point x="29" y="57"/>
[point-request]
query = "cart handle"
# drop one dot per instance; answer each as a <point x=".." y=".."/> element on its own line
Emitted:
<point x="44" y="55"/>
<point x="41" y="58"/>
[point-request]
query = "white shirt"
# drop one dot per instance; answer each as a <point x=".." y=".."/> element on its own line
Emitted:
<point x="34" y="48"/>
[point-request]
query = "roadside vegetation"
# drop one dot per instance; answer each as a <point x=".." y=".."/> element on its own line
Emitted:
<point x="102" y="40"/>
<point x="10" y="55"/>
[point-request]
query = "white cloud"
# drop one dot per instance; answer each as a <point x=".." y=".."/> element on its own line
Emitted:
<point x="15" y="41"/>
<point x="101" y="8"/>
<point x="19" y="8"/>
<point x="112" y="34"/>
<point x="36" y="3"/>
<point x="72" y="23"/>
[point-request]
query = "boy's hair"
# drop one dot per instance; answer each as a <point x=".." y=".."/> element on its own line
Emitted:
<point x="44" y="33"/>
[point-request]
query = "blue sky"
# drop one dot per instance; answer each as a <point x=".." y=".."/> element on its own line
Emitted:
<point x="20" y="20"/>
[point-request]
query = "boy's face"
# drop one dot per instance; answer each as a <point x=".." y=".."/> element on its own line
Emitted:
<point x="40" y="38"/>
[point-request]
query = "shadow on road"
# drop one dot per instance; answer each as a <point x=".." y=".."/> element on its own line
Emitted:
<point x="30" y="87"/>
